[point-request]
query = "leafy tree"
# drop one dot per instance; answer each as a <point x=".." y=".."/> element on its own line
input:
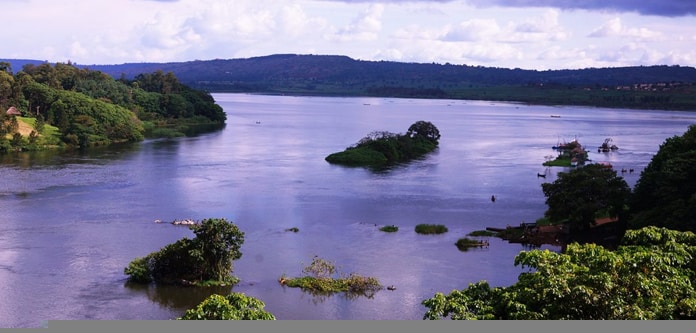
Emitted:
<point x="207" y="258"/>
<point x="665" y="194"/>
<point x="424" y="129"/>
<point x="580" y="196"/>
<point x="235" y="306"/>
<point x="648" y="277"/>
<point x="219" y="243"/>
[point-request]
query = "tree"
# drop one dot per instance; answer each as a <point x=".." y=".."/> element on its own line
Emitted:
<point x="665" y="194"/>
<point x="235" y="306"/>
<point x="582" y="195"/>
<point x="648" y="277"/>
<point x="205" y="259"/>
<point x="424" y="129"/>
<point x="218" y="243"/>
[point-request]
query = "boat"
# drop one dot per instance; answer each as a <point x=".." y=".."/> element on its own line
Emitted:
<point x="555" y="116"/>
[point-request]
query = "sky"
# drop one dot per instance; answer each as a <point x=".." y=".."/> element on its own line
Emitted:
<point x="527" y="34"/>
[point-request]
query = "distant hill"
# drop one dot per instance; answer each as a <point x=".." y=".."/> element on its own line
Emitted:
<point x="341" y="75"/>
<point x="291" y="69"/>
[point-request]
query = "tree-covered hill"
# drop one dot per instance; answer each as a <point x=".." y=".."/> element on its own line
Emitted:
<point x="654" y="87"/>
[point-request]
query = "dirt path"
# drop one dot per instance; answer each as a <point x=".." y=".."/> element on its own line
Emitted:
<point x="24" y="128"/>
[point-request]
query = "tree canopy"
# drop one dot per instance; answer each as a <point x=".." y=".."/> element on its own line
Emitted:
<point x="648" y="277"/>
<point x="582" y="195"/>
<point x="665" y="194"/>
<point x="235" y="306"/>
<point x="207" y="258"/>
<point x="381" y="148"/>
<point x="91" y="108"/>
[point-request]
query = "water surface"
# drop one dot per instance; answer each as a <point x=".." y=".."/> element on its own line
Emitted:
<point x="72" y="221"/>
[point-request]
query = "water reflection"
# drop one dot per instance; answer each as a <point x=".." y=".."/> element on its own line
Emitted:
<point x="177" y="297"/>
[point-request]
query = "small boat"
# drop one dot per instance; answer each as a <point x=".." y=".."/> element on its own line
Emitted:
<point x="555" y="116"/>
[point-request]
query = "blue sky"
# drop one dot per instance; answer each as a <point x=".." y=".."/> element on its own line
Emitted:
<point x="528" y="34"/>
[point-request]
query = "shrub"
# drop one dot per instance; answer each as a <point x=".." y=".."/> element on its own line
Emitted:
<point x="428" y="229"/>
<point x="389" y="228"/>
<point x="463" y="244"/>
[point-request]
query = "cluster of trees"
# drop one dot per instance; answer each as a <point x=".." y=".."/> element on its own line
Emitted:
<point x="648" y="275"/>
<point x="204" y="260"/>
<point x="92" y="108"/>
<point x="381" y="148"/>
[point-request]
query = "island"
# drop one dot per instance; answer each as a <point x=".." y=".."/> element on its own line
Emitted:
<point x="382" y="149"/>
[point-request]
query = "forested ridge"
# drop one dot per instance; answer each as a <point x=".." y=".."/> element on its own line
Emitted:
<point x="645" y="87"/>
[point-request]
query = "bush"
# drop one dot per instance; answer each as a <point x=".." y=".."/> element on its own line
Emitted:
<point x="319" y="278"/>
<point x="203" y="260"/>
<point x="428" y="229"/>
<point x="235" y="306"/>
<point x="389" y="228"/>
<point x="464" y="244"/>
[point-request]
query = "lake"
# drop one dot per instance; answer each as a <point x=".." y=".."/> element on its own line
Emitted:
<point x="72" y="221"/>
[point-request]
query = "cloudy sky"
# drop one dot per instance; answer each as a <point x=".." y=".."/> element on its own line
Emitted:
<point x="528" y="34"/>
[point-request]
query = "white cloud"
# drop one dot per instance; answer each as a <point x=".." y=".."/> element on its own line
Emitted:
<point x="473" y="30"/>
<point x="117" y="31"/>
<point x="615" y="28"/>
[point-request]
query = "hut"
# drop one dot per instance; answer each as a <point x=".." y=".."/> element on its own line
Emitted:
<point x="12" y="111"/>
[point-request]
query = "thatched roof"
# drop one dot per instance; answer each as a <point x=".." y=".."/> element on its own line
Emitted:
<point x="12" y="111"/>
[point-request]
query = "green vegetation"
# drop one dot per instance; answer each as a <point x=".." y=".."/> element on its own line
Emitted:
<point x="665" y="194"/>
<point x="429" y="229"/>
<point x="638" y="87"/>
<point x="648" y="277"/>
<point x="389" y="228"/>
<point x="235" y="306"/>
<point x="464" y="244"/>
<point x="86" y="108"/>
<point x="570" y="154"/>
<point x="479" y="233"/>
<point x="584" y="194"/>
<point x="203" y="260"/>
<point x="380" y="149"/>
<point x="322" y="277"/>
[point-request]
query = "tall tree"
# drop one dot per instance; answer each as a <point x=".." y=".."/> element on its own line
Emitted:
<point x="665" y="194"/>
<point x="582" y="195"/>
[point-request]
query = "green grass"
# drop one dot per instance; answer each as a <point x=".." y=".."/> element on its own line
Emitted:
<point x="429" y="229"/>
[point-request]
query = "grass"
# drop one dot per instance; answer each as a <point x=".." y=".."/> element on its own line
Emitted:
<point x="389" y="228"/>
<point x="430" y="229"/>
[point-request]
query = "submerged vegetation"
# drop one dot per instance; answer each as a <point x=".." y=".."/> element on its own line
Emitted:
<point x="380" y="149"/>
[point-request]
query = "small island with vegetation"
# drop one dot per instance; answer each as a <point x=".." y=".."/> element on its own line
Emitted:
<point x="322" y="277"/>
<point x="381" y="149"/>
<point x="205" y="260"/>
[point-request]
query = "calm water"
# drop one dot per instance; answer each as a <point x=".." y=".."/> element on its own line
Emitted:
<point x="71" y="222"/>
